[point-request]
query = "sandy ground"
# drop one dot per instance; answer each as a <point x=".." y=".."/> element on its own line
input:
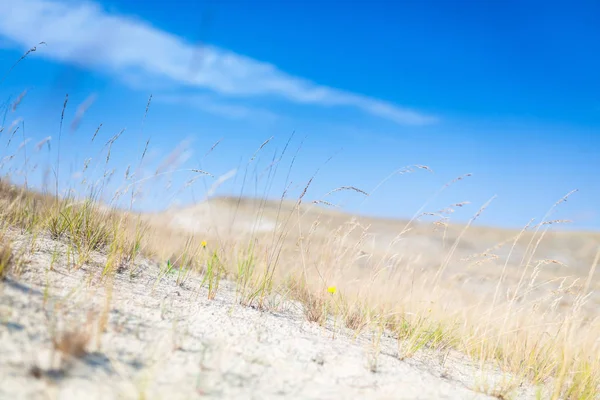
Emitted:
<point x="168" y="341"/>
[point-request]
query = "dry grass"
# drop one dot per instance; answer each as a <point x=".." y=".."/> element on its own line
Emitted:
<point x="536" y="343"/>
<point x="72" y="343"/>
<point x="529" y="321"/>
<point x="6" y="258"/>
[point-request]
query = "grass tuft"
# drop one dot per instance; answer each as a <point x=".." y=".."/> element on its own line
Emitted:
<point x="7" y="258"/>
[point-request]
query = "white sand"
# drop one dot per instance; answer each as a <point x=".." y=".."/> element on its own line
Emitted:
<point x="170" y="342"/>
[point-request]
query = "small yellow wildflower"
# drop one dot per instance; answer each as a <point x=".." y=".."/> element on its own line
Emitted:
<point x="203" y="243"/>
<point x="332" y="289"/>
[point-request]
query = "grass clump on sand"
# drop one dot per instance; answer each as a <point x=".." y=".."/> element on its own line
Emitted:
<point x="382" y="295"/>
<point x="6" y="258"/>
<point x="531" y="323"/>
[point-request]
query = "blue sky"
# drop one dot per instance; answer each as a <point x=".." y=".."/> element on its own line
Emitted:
<point x="506" y="91"/>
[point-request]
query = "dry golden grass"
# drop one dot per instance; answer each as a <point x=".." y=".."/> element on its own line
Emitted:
<point x="511" y="325"/>
<point x="510" y="310"/>
<point x="73" y="343"/>
<point x="6" y="258"/>
<point x="533" y="339"/>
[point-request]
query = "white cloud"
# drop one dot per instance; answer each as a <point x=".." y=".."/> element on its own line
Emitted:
<point x="214" y="106"/>
<point x="85" y="34"/>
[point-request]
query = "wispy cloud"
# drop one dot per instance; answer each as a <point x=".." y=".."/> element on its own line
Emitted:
<point x="85" y="34"/>
<point x="215" y="106"/>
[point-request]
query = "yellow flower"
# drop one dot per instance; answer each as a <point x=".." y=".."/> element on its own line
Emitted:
<point x="203" y="243"/>
<point x="332" y="289"/>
